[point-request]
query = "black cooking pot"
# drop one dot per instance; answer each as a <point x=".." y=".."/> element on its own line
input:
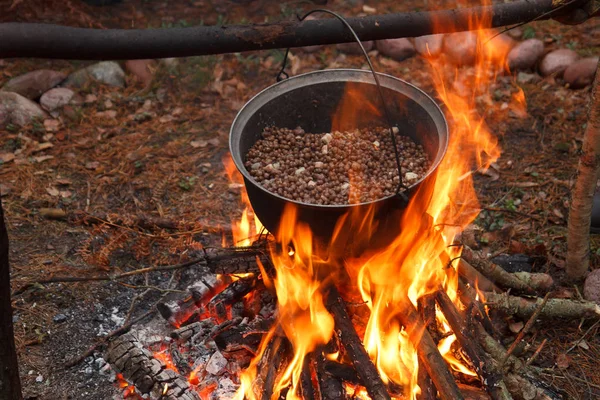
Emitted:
<point x="309" y="101"/>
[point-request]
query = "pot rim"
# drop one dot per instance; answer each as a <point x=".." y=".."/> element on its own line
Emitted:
<point x="271" y="92"/>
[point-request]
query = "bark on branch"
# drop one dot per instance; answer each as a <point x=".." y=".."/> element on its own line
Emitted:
<point x="52" y="41"/>
<point x="580" y="214"/>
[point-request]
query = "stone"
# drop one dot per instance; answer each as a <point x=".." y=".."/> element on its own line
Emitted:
<point x="216" y="364"/>
<point x="524" y="77"/>
<point x="525" y="54"/>
<point x="107" y="72"/>
<point x="581" y="73"/>
<point x="34" y="83"/>
<point x="396" y="49"/>
<point x="515" y="33"/>
<point x="499" y="47"/>
<point x="18" y="110"/>
<point x="557" y="61"/>
<point x="59" y="318"/>
<point x="354" y="48"/>
<point x="429" y="45"/>
<point x="141" y="69"/>
<point x="461" y="47"/>
<point x="55" y="98"/>
<point x="591" y="287"/>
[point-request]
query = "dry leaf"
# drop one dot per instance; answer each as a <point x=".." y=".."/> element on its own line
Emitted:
<point x="583" y="344"/>
<point x="52" y="191"/>
<point x="563" y="361"/>
<point x="42" y="158"/>
<point x="7" y="157"/>
<point x="198" y="143"/>
<point x="369" y="10"/>
<point x="44" y="146"/>
<point x="526" y="184"/>
<point x="51" y="125"/>
<point x="516" y="327"/>
<point x="92" y="165"/>
<point x="558" y="213"/>
<point x="214" y="141"/>
<point x="166" y="118"/>
<point x="64" y="181"/>
<point x="65" y="193"/>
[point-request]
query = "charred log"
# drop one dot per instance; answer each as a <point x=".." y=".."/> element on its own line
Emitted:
<point x="491" y="379"/>
<point x="354" y="347"/>
<point x="429" y="355"/>
<point x="149" y="375"/>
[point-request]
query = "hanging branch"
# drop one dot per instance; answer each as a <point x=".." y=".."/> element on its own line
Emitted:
<point x="53" y="41"/>
<point x="10" y="383"/>
<point x="580" y="214"/>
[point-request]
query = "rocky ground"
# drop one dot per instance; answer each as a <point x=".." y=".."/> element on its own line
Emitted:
<point x="116" y="165"/>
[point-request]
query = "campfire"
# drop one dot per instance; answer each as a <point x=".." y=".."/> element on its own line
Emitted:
<point x="295" y="314"/>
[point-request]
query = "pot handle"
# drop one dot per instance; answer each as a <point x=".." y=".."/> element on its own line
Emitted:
<point x="284" y="75"/>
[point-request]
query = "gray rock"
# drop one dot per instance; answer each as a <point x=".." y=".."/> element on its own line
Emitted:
<point x="461" y="47"/>
<point x="354" y="48"/>
<point x="59" y="318"/>
<point x="106" y="72"/>
<point x="557" y="61"/>
<point x="18" y="110"/>
<point x="429" y="44"/>
<point x="56" y="98"/>
<point x="515" y="33"/>
<point x="396" y="49"/>
<point x="524" y="77"/>
<point x="216" y="364"/>
<point x="34" y="83"/>
<point x="591" y="287"/>
<point x="525" y="54"/>
<point x="581" y="73"/>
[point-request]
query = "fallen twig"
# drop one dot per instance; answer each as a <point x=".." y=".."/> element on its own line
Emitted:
<point x="555" y="308"/>
<point x="525" y="329"/>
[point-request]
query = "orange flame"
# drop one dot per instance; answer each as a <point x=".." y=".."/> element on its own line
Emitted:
<point x="248" y="226"/>
<point x="413" y="264"/>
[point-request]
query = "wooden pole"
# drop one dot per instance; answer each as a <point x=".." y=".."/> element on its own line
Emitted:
<point x="10" y="383"/>
<point x="588" y="172"/>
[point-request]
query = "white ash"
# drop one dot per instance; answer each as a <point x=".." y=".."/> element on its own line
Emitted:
<point x="217" y="364"/>
<point x="225" y="391"/>
<point x="364" y="157"/>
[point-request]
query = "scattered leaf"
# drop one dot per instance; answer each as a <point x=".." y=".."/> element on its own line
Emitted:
<point x="369" y="10"/>
<point x="42" y="158"/>
<point x="51" y="125"/>
<point x="64" y="181"/>
<point x="92" y="164"/>
<point x="198" y="143"/>
<point x="583" y="344"/>
<point x="43" y="146"/>
<point x="52" y="191"/>
<point x="516" y="327"/>
<point x="7" y="157"/>
<point x="563" y="361"/>
<point x="526" y="184"/>
<point x="65" y="194"/>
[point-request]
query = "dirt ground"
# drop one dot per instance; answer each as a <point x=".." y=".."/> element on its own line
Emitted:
<point x="110" y="173"/>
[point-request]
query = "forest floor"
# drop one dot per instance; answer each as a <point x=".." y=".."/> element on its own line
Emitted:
<point x="107" y="173"/>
